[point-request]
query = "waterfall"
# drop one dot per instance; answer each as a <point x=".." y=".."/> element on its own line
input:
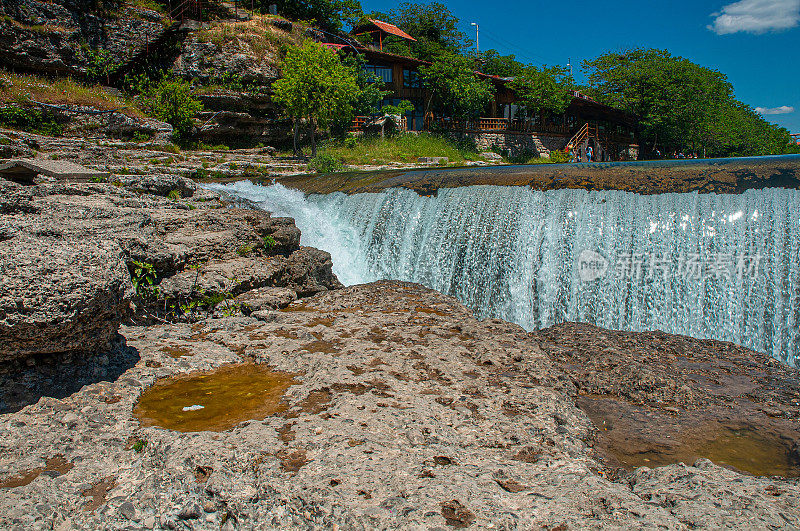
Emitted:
<point x="709" y="266"/>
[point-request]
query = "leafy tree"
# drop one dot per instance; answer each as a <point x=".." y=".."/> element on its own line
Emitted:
<point x="494" y="64"/>
<point x="682" y="105"/>
<point x="330" y="15"/>
<point x="369" y="84"/>
<point x="433" y="25"/>
<point x="547" y="89"/>
<point x="317" y="87"/>
<point x="171" y="100"/>
<point x="455" y="88"/>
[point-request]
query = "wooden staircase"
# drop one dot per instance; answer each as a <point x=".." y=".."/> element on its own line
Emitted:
<point x="588" y="135"/>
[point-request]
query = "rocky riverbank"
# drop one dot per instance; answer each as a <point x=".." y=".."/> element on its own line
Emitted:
<point x="391" y="405"/>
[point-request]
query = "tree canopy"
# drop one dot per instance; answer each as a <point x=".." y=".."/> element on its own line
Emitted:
<point x="454" y="86"/>
<point x="316" y="86"/>
<point x="682" y="105"/>
<point x="331" y="15"/>
<point x="433" y="25"/>
<point x="547" y="89"/>
<point x="494" y="64"/>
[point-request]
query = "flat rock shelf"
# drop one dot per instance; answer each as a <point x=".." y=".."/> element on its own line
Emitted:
<point x="407" y="412"/>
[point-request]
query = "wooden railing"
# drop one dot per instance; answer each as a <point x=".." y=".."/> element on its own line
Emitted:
<point x="359" y="123"/>
<point x="500" y="125"/>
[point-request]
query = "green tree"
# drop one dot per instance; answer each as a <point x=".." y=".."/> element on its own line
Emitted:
<point x="433" y="25"/>
<point x="494" y="64"/>
<point x="682" y="105"/>
<point x="455" y="88"/>
<point x="548" y="89"/>
<point x="317" y="87"/>
<point x="171" y="100"/>
<point x="330" y="15"/>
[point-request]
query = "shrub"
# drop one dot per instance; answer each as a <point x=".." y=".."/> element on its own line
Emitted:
<point x="174" y="195"/>
<point x="171" y="100"/>
<point x="30" y="119"/>
<point x="559" y="157"/>
<point x="325" y="164"/>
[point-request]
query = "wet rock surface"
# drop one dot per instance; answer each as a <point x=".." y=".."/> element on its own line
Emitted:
<point x="407" y="413"/>
<point x="660" y="398"/>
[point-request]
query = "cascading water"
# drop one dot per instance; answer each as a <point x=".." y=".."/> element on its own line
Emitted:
<point x="724" y="267"/>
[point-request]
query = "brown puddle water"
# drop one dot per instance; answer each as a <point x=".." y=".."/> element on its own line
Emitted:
<point x="633" y="441"/>
<point x="228" y="395"/>
<point x="744" y="449"/>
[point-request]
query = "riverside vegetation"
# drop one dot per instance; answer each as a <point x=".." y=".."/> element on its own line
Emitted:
<point x="233" y="78"/>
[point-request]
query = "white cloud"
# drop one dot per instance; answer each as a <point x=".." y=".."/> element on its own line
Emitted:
<point x="756" y="16"/>
<point x="784" y="109"/>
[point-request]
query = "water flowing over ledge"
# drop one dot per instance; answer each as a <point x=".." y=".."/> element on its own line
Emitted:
<point x="723" y="267"/>
<point x="732" y="175"/>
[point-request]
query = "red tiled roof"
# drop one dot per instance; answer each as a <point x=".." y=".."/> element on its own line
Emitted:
<point x="386" y="27"/>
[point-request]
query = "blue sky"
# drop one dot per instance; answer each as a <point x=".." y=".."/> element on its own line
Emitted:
<point x="756" y="43"/>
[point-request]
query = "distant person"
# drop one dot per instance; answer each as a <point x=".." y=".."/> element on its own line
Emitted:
<point x="589" y="153"/>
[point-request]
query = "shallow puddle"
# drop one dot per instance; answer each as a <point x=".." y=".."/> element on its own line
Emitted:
<point x="743" y="449"/>
<point x="633" y="441"/>
<point x="214" y="400"/>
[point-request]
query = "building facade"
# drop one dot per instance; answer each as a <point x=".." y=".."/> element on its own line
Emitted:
<point x="504" y="124"/>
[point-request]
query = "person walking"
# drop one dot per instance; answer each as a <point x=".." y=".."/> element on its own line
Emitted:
<point x="589" y="153"/>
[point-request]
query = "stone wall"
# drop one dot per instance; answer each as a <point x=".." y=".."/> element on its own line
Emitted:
<point x="516" y="144"/>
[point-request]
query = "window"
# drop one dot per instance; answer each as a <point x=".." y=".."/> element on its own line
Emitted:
<point x="411" y="79"/>
<point x="382" y="72"/>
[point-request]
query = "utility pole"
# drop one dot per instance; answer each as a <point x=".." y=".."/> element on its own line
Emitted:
<point x="477" y="38"/>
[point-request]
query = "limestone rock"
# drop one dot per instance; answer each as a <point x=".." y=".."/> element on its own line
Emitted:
<point x="407" y="413"/>
<point x="309" y="271"/>
<point x="15" y="198"/>
<point x="47" y="36"/>
<point x="58" y="296"/>
<point x="158" y="184"/>
<point x="262" y="299"/>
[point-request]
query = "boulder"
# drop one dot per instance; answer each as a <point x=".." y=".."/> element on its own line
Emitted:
<point x="225" y="277"/>
<point x="159" y="184"/>
<point x="58" y="296"/>
<point x="264" y="299"/>
<point x="309" y="271"/>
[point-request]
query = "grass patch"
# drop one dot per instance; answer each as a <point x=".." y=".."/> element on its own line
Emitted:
<point x="402" y="148"/>
<point x="258" y="35"/>
<point x="16" y="88"/>
<point x="35" y="28"/>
